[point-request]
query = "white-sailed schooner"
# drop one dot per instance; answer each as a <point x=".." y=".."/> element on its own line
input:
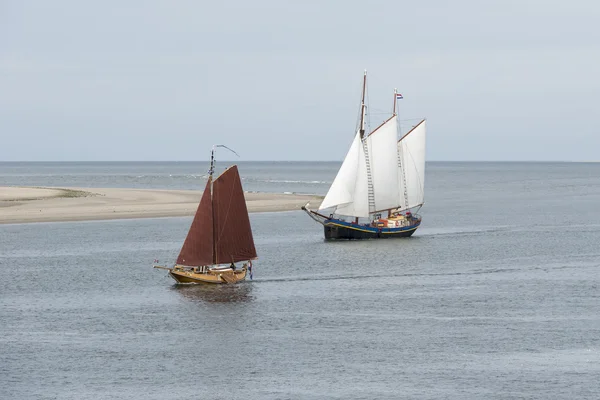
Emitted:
<point x="379" y="188"/>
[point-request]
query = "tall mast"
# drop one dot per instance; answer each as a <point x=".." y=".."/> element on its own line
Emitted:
<point x="365" y="146"/>
<point x="401" y="159"/>
<point x="212" y="205"/>
<point x="211" y="170"/>
<point x="362" y="107"/>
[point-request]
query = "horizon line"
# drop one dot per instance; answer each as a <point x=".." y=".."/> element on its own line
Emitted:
<point x="301" y="161"/>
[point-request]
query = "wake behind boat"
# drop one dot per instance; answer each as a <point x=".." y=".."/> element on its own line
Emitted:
<point x="220" y="234"/>
<point x="378" y="190"/>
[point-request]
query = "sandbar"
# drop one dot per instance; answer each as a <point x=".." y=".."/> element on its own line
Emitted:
<point x="37" y="204"/>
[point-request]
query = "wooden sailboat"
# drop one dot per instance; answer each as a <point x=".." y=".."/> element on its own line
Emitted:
<point x="220" y="235"/>
<point x="378" y="190"/>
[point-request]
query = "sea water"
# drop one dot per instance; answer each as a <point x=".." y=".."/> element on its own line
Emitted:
<point x="267" y="176"/>
<point x="497" y="294"/>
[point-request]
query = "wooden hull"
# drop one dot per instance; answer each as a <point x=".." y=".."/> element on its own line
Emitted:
<point x="339" y="230"/>
<point x="186" y="276"/>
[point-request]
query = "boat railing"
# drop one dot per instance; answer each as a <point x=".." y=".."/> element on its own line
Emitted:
<point x="408" y="220"/>
<point x="405" y="222"/>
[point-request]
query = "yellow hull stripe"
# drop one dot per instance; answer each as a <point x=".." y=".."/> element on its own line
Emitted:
<point x="344" y="226"/>
<point x="406" y="230"/>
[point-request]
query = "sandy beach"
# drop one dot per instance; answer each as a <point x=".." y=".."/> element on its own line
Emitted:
<point x="29" y="204"/>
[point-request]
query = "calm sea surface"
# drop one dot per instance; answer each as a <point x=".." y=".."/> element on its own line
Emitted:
<point x="272" y="177"/>
<point x="497" y="296"/>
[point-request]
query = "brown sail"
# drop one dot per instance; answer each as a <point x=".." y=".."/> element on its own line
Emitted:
<point x="233" y="234"/>
<point x="199" y="245"/>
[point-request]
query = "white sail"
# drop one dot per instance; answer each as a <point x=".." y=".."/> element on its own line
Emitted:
<point x="348" y="192"/>
<point x="383" y="157"/>
<point x="412" y="152"/>
<point x="359" y="207"/>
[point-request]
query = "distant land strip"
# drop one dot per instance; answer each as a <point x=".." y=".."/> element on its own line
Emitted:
<point x="45" y="204"/>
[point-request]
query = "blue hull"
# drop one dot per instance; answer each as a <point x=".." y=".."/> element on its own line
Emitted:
<point x="337" y="229"/>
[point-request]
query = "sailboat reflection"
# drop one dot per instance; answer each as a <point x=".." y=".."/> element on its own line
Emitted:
<point x="216" y="294"/>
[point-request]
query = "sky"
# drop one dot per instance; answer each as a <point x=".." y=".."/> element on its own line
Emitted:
<point x="280" y="80"/>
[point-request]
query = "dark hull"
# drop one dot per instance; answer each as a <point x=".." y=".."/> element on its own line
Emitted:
<point x="343" y="231"/>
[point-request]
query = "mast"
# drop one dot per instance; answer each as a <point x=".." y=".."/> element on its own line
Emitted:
<point x="362" y="107"/>
<point x="212" y="208"/>
<point x="401" y="168"/>
<point x="365" y="146"/>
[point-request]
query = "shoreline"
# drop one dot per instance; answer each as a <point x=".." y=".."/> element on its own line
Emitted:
<point x="26" y="204"/>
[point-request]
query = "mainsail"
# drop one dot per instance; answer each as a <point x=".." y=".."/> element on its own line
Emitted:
<point x="233" y="235"/>
<point x="383" y="157"/>
<point x="220" y="231"/>
<point x="411" y="148"/>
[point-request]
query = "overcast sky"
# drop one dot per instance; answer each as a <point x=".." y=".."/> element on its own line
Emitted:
<point x="280" y="80"/>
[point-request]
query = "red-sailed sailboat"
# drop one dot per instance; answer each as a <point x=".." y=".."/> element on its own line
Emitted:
<point x="220" y="235"/>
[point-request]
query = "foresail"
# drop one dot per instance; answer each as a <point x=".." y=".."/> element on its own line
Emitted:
<point x="197" y="248"/>
<point x="233" y="234"/>
<point x="412" y="153"/>
<point x="348" y="192"/>
<point x="359" y="207"/>
<point x="383" y="156"/>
